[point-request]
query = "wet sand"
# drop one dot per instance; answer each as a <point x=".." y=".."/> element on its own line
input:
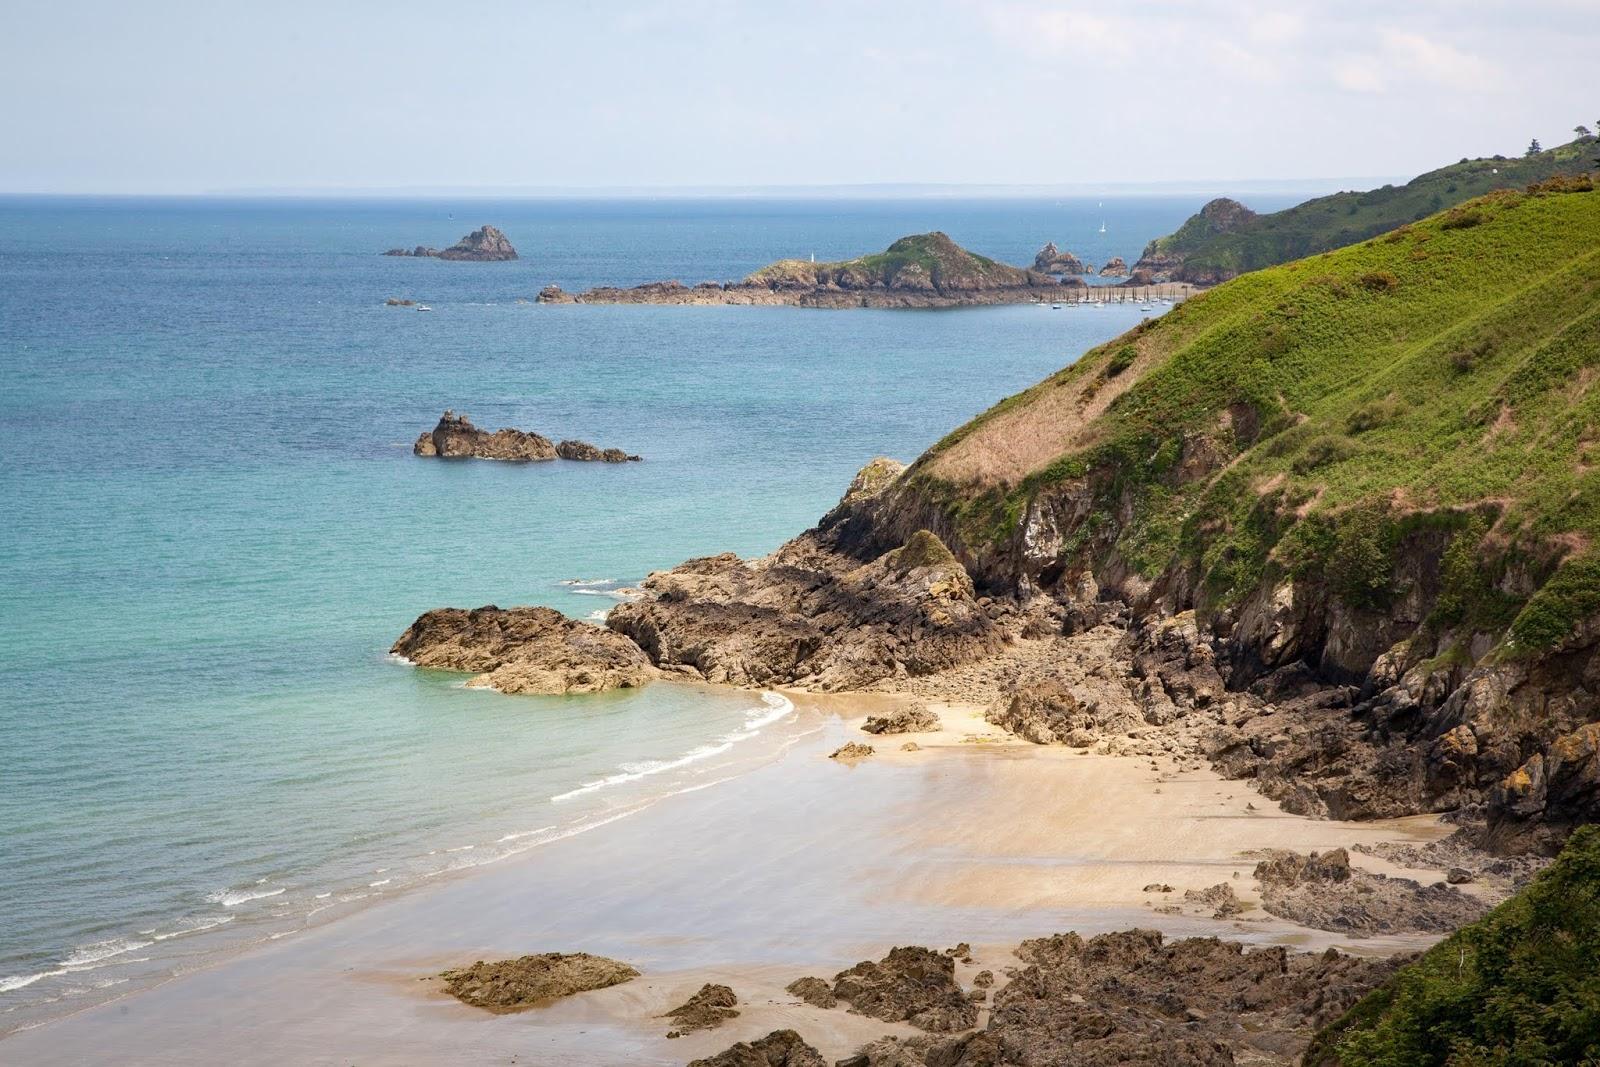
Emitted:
<point x="803" y="866"/>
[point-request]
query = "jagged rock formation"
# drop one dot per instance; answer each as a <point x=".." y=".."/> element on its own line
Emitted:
<point x="511" y="985"/>
<point x="455" y="437"/>
<point x="1115" y="267"/>
<point x="814" y="991"/>
<point x="712" y="1006"/>
<point x="1133" y="997"/>
<point x="1325" y="892"/>
<point x="911" y="984"/>
<point x="1165" y="258"/>
<point x="483" y="245"/>
<point x="924" y="270"/>
<point x="524" y="650"/>
<point x="781" y="1048"/>
<point x="1052" y="260"/>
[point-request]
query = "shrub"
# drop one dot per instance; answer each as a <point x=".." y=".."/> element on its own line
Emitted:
<point x="1379" y="281"/>
<point x="1324" y="451"/>
<point x="1462" y="218"/>
<point x="1359" y="565"/>
<point x="1375" y="413"/>
<point x="1571" y="596"/>
<point x="1121" y="360"/>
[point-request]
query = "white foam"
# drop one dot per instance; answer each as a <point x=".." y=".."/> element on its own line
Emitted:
<point x="374" y="885"/>
<point x="90" y="955"/>
<point x="526" y="833"/>
<point x="775" y="707"/>
<point x="395" y="657"/>
<point x="632" y="772"/>
<point x="195" y="926"/>
<point x="232" y="898"/>
<point x="22" y="981"/>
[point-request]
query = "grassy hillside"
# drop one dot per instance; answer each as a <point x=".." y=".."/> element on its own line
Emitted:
<point x="1204" y="252"/>
<point x="1521" y="986"/>
<point x="1304" y="421"/>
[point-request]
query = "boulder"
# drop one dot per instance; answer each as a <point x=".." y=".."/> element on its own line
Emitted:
<point x="911" y="984"/>
<point x="912" y="719"/>
<point x="712" y="1006"/>
<point x="781" y="1048"/>
<point x="852" y="751"/>
<point x="528" y="981"/>
<point x="814" y="991"/>
<point x="524" y="650"/>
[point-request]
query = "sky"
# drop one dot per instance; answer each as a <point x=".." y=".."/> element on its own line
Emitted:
<point x="167" y="96"/>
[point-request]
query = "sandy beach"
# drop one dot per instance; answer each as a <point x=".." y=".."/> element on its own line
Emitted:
<point x="803" y="866"/>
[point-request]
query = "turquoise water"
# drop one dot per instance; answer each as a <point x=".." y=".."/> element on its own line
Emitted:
<point x="215" y="528"/>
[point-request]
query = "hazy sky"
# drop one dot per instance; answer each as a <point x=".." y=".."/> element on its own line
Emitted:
<point x="171" y="96"/>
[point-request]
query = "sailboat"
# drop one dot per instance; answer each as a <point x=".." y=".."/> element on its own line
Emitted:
<point x="1102" y="225"/>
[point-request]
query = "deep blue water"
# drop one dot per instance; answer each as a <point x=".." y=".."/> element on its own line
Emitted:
<point x="214" y="525"/>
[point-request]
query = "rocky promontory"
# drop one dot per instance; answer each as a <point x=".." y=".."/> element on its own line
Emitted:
<point x="1052" y="260"/>
<point x="455" y="437"/>
<point x="483" y="245"/>
<point x="921" y="271"/>
<point x="524" y="650"/>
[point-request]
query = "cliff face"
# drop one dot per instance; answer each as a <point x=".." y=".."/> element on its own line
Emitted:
<point x="1370" y="478"/>
<point x="924" y="270"/>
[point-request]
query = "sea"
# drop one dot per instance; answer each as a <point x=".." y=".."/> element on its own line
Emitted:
<point x="215" y="528"/>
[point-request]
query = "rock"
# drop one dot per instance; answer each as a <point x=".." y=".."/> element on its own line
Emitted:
<point x="1158" y="887"/>
<point x="912" y="984"/>
<point x="455" y="437"/>
<point x="524" y="650"/>
<point x="584" y="451"/>
<point x="1219" y="899"/>
<point x="781" y="1048"/>
<point x="397" y="302"/>
<point x="1458" y="876"/>
<point x="910" y="746"/>
<point x="912" y="719"/>
<point x="983" y="979"/>
<point x="814" y="991"/>
<point x="1115" y="267"/>
<point x="1051" y="260"/>
<point x="1133" y="998"/>
<point x="852" y="751"/>
<point x="813" y="615"/>
<point x="1325" y="892"/>
<point x="712" y="1006"/>
<point x="483" y="245"/>
<point x="511" y="985"/>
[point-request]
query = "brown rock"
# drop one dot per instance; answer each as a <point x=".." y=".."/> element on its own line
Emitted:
<point x="781" y="1048"/>
<point x="584" y="451"/>
<point x="455" y="437"/>
<point x="712" y="1006"/>
<point x="483" y="245"/>
<point x="914" y="718"/>
<point x="852" y="751"/>
<point x="1325" y="892"/>
<point x="524" y="650"/>
<point x="1219" y="899"/>
<point x="511" y="985"/>
<point x="813" y="991"/>
<point x="912" y="984"/>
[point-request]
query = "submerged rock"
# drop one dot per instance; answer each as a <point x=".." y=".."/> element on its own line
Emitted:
<point x="524" y="650"/>
<point x="911" y="984"/>
<point x="916" y="718"/>
<point x="584" y="451"/>
<point x="712" y="1006"/>
<point x="781" y="1048"/>
<point x="483" y="245"/>
<point x="528" y="981"/>
<point x="1325" y="892"/>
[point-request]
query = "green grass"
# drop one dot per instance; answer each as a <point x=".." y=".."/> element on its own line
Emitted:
<point x="1347" y="218"/>
<point x="1435" y="381"/>
<point x="1520" y="986"/>
<point x="933" y="255"/>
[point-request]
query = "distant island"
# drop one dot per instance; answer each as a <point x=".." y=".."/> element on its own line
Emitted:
<point x="1226" y="239"/>
<point x="926" y="270"/>
<point x="483" y="245"/>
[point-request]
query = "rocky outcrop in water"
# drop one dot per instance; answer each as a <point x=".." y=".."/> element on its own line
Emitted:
<point x="1052" y="260"/>
<point x="781" y="1048"/>
<point x="921" y="271"/>
<point x="455" y="437"/>
<point x="524" y="650"/>
<point x="483" y="245"/>
<point x="1115" y="267"/>
<point x="528" y="981"/>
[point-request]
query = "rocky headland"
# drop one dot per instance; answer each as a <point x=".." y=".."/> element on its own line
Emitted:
<point x="455" y="437"/>
<point x="921" y="271"/>
<point x="483" y="245"/>
<point x="1052" y="260"/>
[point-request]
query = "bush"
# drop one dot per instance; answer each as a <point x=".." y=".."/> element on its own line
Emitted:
<point x="1121" y="360"/>
<point x="1375" y="413"/>
<point x="1571" y="596"/>
<point x="1379" y="281"/>
<point x="1462" y="218"/>
<point x="1359" y="566"/>
<point x="1324" y="451"/>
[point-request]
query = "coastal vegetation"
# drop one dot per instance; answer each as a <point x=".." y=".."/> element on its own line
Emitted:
<point x="1518" y="986"/>
<point x="1226" y="239"/>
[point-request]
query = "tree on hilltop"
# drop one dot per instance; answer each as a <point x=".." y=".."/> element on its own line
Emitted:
<point x="1534" y="147"/>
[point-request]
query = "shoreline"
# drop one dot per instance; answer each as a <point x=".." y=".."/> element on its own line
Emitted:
<point x="739" y="294"/>
<point x="938" y="856"/>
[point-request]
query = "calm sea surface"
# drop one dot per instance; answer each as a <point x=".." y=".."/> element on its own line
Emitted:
<point x="215" y="528"/>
